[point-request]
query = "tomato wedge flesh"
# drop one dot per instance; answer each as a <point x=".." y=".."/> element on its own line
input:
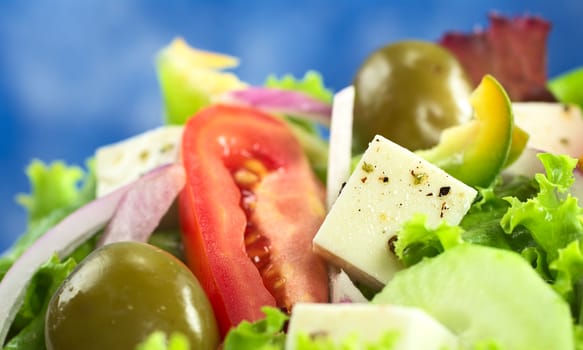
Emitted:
<point x="249" y="211"/>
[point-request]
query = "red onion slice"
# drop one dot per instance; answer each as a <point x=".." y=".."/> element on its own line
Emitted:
<point x="281" y="101"/>
<point x="340" y="148"/>
<point x="76" y="228"/>
<point x="144" y="205"/>
<point x="62" y="240"/>
<point x="342" y="290"/>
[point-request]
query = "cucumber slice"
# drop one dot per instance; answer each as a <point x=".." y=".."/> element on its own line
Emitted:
<point x="485" y="295"/>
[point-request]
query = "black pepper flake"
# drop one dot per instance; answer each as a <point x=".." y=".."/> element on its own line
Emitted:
<point x="363" y="179"/>
<point x="444" y="191"/>
<point x="444" y="207"/>
<point x="384" y="179"/>
<point x="430" y="194"/>
<point x="342" y="187"/>
<point x="392" y="242"/>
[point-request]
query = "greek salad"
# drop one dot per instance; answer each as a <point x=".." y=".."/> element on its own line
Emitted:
<point x="434" y="203"/>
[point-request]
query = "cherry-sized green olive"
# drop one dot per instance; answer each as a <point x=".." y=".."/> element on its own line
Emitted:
<point x="409" y="91"/>
<point x="123" y="292"/>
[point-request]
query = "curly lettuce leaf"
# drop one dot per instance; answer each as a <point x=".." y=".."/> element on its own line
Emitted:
<point x="482" y="222"/>
<point x="56" y="191"/>
<point x="265" y="334"/>
<point x="569" y="270"/>
<point x="160" y="341"/>
<point x="311" y="84"/>
<point x="416" y="240"/>
<point x="553" y="217"/>
<point x="481" y="225"/>
<point x="27" y="330"/>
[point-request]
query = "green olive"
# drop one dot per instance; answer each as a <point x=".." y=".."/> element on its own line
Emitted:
<point x="123" y="292"/>
<point x="409" y="92"/>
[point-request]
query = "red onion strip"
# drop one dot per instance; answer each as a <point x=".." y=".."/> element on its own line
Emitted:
<point x="281" y="101"/>
<point x="342" y="290"/>
<point x="76" y="228"/>
<point x="62" y="240"/>
<point x="144" y="205"/>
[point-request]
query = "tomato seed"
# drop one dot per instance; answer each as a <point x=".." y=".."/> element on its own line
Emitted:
<point x="245" y="178"/>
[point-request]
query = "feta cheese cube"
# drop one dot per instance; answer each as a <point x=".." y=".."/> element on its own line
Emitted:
<point x="389" y="185"/>
<point x="121" y="163"/>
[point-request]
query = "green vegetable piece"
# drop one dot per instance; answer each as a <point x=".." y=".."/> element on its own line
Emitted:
<point x="568" y="87"/>
<point x="409" y="92"/>
<point x="190" y="79"/>
<point x="27" y="330"/>
<point x="265" y="334"/>
<point x="569" y="270"/>
<point x="553" y="217"/>
<point x="122" y="293"/>
<point x="57" y="190"/>
<point x="387" y="341"/>
<point x="311" y="84"/>
<point x="159" y="341"/>
<point x="477" y="151"/>
<point x="417" y="241"/>
<point x="485" y="296"/>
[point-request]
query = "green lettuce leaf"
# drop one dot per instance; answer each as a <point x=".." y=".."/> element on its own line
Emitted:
<point x="307" y="133"/>
<point x="311" y="84"/>
<point x="578" y="332"/>
<point x="265" y="334"/>
<point x="56" y="191"/>
<point x="351" y="342"/>
<point x="553" y="217"/>
<point x="314" y="146"/>
<point x="417" y="241"/>
<point x="160" y="341"/>
<point x="482" y="222"/>
<point x="569" y="270"/>
<point x="27" y="330"/>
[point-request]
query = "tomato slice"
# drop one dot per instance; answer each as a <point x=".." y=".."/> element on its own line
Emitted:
<point x="249" y="211"/>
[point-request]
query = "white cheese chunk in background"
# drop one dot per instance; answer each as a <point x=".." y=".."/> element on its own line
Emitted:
<point x="123" y="162"/>
<point x="389" y="185"/>
<point x="415" y="328"/>
<point x="552" y="127"/>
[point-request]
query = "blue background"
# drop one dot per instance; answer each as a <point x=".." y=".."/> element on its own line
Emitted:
<point x="78" y="74"/>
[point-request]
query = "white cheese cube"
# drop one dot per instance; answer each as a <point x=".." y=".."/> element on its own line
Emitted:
<point x="389" y="185"/>
<point x="123" y="162"/>
<point x="413" y="328"/>
<point x="552" y="127"/>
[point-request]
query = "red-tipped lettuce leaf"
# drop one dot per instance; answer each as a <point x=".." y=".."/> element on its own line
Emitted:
<point x="512" y="49"/>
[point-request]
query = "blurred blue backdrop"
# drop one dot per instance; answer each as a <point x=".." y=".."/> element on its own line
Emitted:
<point x="78" y="74"/>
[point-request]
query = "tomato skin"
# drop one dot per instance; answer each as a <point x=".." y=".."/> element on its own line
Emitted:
<point x="288" y="210"/>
